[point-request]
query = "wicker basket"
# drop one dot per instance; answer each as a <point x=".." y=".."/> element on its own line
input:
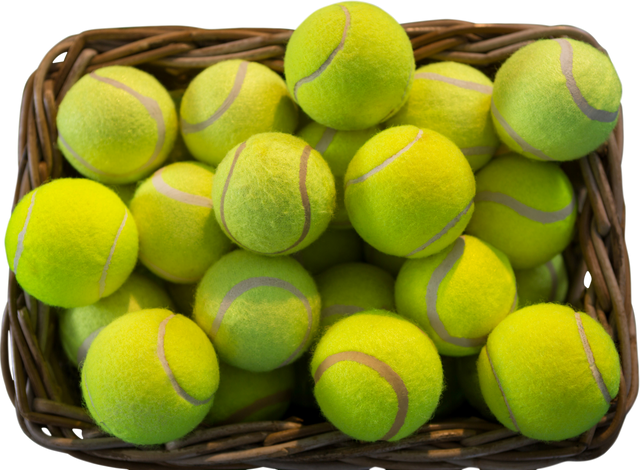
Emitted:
<point x="42" y="388"/>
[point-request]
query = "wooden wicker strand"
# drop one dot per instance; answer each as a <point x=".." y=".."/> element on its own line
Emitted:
<point x="175" y="54"/>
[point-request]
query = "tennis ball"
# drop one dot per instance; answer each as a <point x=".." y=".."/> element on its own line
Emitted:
<point x="116" y="124"/>
<point x="184" y="296"/>
<point x="409" y="192"/>
<point x="455" y="100"/>
<point x="179" y="235"/>
<point x="350" y="288"/>
<point x="337" y="148"/>
<point x="273" y="194"/>
<point x="149" y="377"/>
<point x="556" y="99"/>
<point x="458" y="295"/>
<point x="389" y="263"/>
<point x="452" y="396"/>
<point x="467" y="376"/>
<point x="79" y="326"/>
<point x="124" y="191"/>
<point x="245" y="396"/>
<point x="349" y="65"/>
<point x="548" y="282"/>
<point x="525" y="208"/>
<point x="179" y="152"/>
<point x="331" y="248"/>
<point x="229" y="102"/>
<point x="366" y="383"/>
<point x="71" y="242"/>
<point x="548" y="372"/>
<point x="303" y="386"/>
<point x="260" y="312"/>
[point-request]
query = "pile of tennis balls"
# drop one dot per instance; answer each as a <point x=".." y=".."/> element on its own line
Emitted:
<point x="350" y="231"/>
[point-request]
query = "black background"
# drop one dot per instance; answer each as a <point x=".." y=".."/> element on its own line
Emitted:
<point x="29" y="38"/>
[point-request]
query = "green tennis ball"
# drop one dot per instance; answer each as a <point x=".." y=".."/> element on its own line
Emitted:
<point x="303" y="387"/>
<point x="350" y="288"/>
<point x="184" y="296"/>
<point x="458" y="295"/>
<point x="331" y="248"/>
<point x="409" y="192"/>
<point x="245" y="396"/>
<point x="467" y="376"/>
<point x="525" y="208"/>
<point x="556" y="99"/>
<point x="117" y="124"/>
<point x="548" y="372"/>
<point x="349" y="65"/>
<point x="455" y="100"/>
<point x="548" y="282"/>
<point x="452" y="395"/>
<point x="389" y="263"/>
<point x="377" y="376"/>
<point x="337" y="148"/>
<point x="79" y="326"/>
<point x="179" y="236"/>
<point x="124" y="191"/>
<point x="149" y="377"/>
<point x="71" y="242"/>
<point x="229" y="102"/>
<point x="273" y="194"/>
<point x="260" y="312"/>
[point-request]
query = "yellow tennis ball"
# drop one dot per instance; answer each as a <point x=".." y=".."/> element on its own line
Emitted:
<point x="117" y="124"/>
<point x="459" y="295"/>
<point x="377" y="376"/>
<point x="79" y="326"/>
<point x="229" y="102"/>
<point x="150" y="377"/>
<point x="409" y="192"/>
<point x="337" y="148"/>
<point x="245" y="396"/>
<point x="273" y="194"/>
<point x="260" y="312"/>
<point x="548" y="282"/>
<point x="333" y="247"/>
<point x="71" y="242"/>
<point x="349" y="65"/>
<point x="556" y="99"/>
<point x="179" y="235"/>
<point x="455" y="100"/>
<point x="525" y="208"/>
<point x="548" y="372"/>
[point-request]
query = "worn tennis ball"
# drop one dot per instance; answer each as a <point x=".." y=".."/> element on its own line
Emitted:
<point x="459" y="295"/>
<point x="350" y="288"/>
<point x="117" y="124"/>
<point x="548" y="282"/>
<point x="389" y="263"/>
<point x="229" y="102"/>
<point x="260" y="312"/>
<point x="337" y="148"/>
<point x="150" y="377"/>
<point x="71" y="242"/>
<point x="349" y="65"/>
<point x="273" y="194"/>
<point x="79" y="326"/>
<point x="334" y="246"/>
<point x="525" y="208"/>
<point x="556" y="99"/>
<point x="455" y="100"/>
<point x="368" y="385"/>
<point x="245" y="396"/>
<point x="409" y="192"/>
<point x="179" y="235"/>
<point x="548" y="372"/>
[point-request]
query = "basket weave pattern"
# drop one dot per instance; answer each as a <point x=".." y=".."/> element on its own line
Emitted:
<point x="45" y="397"/>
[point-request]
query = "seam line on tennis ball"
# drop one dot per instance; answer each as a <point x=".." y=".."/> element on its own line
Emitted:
<point x="22" y="234"/>
<point x="597" y="376"/>
<point x="566" y="65"/>
<point x="528" y="212"/>
<point x="323" y="67"/>
<point x="263" y="281"/>
<point x="188" y="128"/>
<point x="167" y="368"/>
<point x="339" y="309"/>
<point x="279" y="397"/>
<point x="152" y="107"/>
<point x="480" y="150"/>
<point x="325" y="140"/>
<point x="473" y="86"/>
<point x="105" y="269"/>
<point x="187" y="198"/>
<point x="386" y="372"/>
<point x="166" y="274"/>
<point x="239" y="150"/>
<point x="84" y="347"/>
<point x="554" y="280"/>
<point x="504" y="396"/>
